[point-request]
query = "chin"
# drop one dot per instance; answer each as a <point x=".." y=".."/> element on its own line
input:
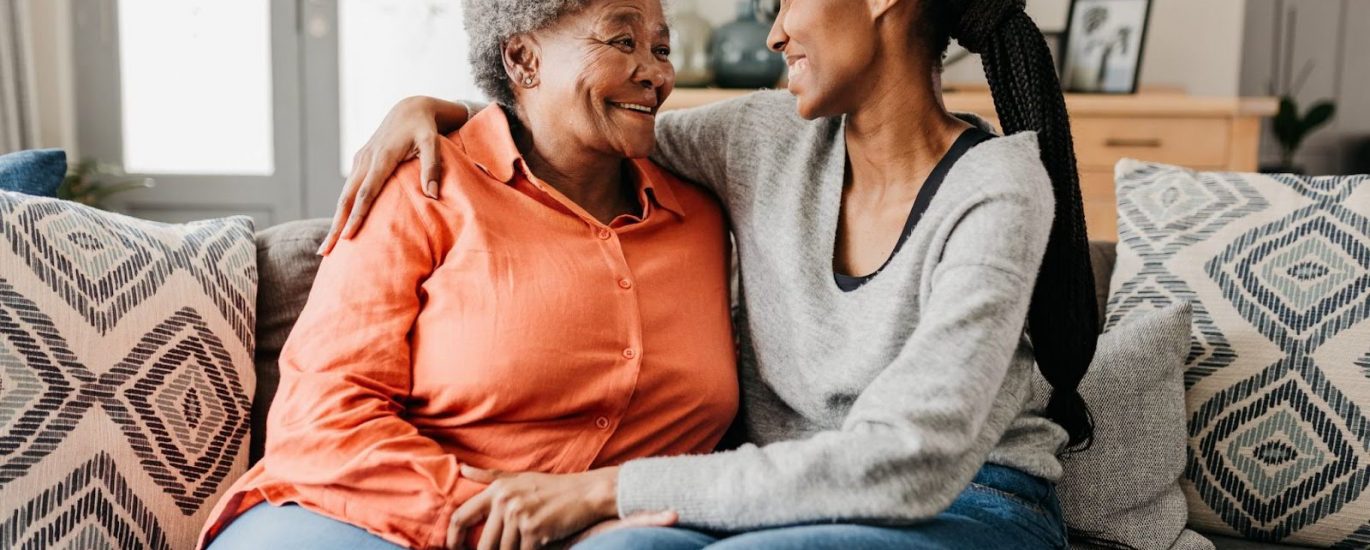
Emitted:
<point x="811" y="105"/>
<point x="809" y="109"/>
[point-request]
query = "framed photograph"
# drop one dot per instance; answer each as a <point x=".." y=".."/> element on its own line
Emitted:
<point x="1102" y="45"/>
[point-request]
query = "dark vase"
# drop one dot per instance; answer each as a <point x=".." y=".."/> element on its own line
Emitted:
<point x="740" y="58"/>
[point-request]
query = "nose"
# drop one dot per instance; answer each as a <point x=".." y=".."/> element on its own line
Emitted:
<point x="653" y="73"/>
<point x="778" y="38"/>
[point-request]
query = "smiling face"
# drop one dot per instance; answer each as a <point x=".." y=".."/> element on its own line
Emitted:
<point x="600" y="75"/>
<point x="834" y="49"/>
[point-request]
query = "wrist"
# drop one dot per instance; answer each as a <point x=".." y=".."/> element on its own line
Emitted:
<point x="605" y="492"/>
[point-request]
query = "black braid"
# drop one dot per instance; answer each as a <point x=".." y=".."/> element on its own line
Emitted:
<point x="1063" y="318"/>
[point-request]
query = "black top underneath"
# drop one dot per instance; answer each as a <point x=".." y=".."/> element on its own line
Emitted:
<point x="967" y="140"/>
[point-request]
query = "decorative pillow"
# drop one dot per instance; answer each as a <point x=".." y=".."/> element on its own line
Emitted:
<point x="1126" y="487"/>
<point x="1277" y="379"/>
<point x="125" y="374"/>
<point x="38" y="172"/>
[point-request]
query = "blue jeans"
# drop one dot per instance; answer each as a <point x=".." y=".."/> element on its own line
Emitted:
<point x="290" y="526"/>
<point x="1002" y="508"/>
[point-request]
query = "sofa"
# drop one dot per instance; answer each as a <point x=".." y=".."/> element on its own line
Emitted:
<point x="286" y="263"/>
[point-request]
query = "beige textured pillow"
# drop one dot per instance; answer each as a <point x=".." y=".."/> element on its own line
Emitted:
<point x="1126" y="487"/>
<point x="125" y="374"/>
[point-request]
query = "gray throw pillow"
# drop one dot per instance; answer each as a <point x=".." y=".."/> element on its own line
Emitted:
<point x="1126" y="487"/>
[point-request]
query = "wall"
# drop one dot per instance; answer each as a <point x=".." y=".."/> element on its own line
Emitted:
<point x="1330" y="39"/>
<point x="51" y="32"/>
<point x="1191" y="44"/>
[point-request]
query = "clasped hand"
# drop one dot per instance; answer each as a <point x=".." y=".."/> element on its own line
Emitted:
<point x="534" y="510"/>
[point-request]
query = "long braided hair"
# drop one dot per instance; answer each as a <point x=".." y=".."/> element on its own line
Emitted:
<point x="1063" y="317"/>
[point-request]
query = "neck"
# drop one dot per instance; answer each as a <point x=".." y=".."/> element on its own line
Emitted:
<point x="901" y="129"/>
<point x="592" y="180"/>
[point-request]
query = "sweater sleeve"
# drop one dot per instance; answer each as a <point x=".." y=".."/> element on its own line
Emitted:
<point x="695" y="143"/>
<point x="337" y="432"/>
<point x="915" y="437"/>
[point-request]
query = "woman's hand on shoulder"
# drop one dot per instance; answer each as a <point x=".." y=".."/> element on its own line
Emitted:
<point x="411" y="129"/>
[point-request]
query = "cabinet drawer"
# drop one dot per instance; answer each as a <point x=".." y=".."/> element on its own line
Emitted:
<point x="1193" y="142"/>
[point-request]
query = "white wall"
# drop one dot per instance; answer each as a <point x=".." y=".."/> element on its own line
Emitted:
<point x="1191" y="44"/>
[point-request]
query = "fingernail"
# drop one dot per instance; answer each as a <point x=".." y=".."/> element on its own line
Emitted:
<point x="431" y="189"/>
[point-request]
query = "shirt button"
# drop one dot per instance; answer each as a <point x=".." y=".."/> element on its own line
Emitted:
<point x="604" y="234"/>
<point x="602" y="423"/>
<point x="625" y="284"/>
<point x="630" y="353"/>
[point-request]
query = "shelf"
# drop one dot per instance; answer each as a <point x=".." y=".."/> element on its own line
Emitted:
<point x="1150" y="104"/>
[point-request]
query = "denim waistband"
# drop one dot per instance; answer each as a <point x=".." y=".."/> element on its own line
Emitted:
<point x="1014" y="481"/>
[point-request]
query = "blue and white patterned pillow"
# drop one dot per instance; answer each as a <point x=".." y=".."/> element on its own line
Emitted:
<point x="1278" y="375"/>
<point x="38" y="172"/>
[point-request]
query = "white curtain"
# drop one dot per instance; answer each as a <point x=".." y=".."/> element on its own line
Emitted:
<point x="18" y="119"/>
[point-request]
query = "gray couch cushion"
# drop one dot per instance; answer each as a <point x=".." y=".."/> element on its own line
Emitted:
<point x="1126" y="488"/>
<point x="287" y="261"/>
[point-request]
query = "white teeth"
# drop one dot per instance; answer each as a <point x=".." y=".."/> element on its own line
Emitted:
<point x="634" y="107"/>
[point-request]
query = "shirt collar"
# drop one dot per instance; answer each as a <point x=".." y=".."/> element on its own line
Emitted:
<point x="489" y="143"/>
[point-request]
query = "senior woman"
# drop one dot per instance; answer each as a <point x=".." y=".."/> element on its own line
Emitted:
<point x="904" y="273"/>
<point x="567" y="310"/>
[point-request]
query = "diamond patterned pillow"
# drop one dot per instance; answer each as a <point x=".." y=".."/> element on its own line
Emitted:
<point x="1277" y="379"/>
<point x="125" y="374"/>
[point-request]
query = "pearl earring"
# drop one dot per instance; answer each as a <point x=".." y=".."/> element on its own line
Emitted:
<point x="528" y="82"/>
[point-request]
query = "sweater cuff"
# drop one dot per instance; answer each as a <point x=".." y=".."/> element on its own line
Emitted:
<point x="680" y="484"/>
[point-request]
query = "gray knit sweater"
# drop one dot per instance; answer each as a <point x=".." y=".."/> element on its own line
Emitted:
<point x="877" y="405"/>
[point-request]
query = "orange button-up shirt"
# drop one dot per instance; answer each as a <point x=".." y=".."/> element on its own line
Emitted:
<point x="502" y="327"/>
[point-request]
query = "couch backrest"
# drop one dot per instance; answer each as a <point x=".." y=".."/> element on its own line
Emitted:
<point x="287" y="261"/>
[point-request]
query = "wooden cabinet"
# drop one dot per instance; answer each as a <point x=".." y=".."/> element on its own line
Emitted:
<point x="1203" y="133"/>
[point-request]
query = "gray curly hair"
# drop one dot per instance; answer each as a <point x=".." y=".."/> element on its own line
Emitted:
<point x="489" y="23"/>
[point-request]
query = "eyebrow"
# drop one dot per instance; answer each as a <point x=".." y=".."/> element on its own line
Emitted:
<point x="630" y="18"/>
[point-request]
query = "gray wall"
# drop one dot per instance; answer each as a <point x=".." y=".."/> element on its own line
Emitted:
<point x="1335" y="36"/>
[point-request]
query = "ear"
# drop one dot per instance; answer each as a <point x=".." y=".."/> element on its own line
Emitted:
<point x="522" y="58"/>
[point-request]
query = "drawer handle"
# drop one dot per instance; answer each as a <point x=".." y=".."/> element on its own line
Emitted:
<point x="1133" y="142"/>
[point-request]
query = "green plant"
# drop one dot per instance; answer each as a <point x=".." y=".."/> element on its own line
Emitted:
<point x="90" y="182"/>
<point x="1291" y="127"/>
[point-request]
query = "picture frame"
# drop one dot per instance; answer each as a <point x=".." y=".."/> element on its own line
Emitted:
<point x="1103" y="45"/>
